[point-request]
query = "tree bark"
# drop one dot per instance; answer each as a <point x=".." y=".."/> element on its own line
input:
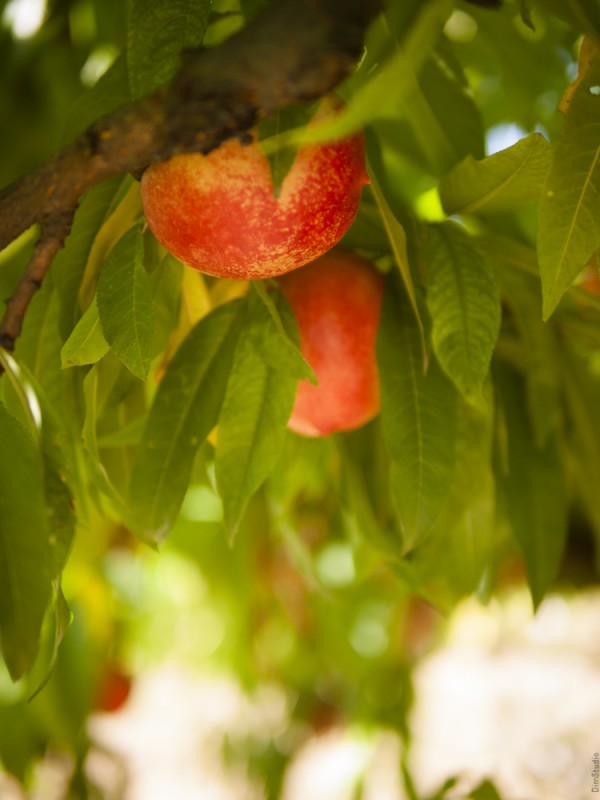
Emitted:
<point x="296" y="51"/>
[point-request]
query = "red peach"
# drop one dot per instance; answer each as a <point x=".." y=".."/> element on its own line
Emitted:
<point x="218" y="213"/>
<point x="337" y="303"/>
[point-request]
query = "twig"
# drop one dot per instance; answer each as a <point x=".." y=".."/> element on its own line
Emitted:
<point x="49" y="243"/>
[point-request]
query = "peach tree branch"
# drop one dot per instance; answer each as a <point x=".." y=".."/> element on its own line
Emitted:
<point x="296" y="51"/>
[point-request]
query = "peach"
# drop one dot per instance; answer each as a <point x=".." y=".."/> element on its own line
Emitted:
<point x="113" y="689"/>
<point x="337" y="303"/>
<point x="219" y="214"/>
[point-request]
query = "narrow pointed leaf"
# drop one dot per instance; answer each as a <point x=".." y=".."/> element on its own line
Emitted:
<point x="62" y="619"/>
<point x="517" y="273"/>
<point x="252" y="429"/>
<point x="534" y="486"/>
<point x="464" y="304"/>
<point x="500" y="182"/>
<point x="568" y="216"/>
<point x="582" y="393"/>
<point x="397" y="239"/>
<point x="442" y="113"/>
<point x="26" y="562"/>
<point x="69" y="266"/>
<point x="418" y="417"/>
<point x="52" y="433"/>
<point x="124" y="299"/>
<point x="271" y="132"/>
<point x="185" y="409"/>
<point x="86" y="344"/>
<point x="275" y="334"/>
<point x="38" y="347"/>
<point x="460" y="549"/>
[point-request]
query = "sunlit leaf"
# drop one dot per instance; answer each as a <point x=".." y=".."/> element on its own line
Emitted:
<point x="500" y="182"/>
<point x="86" y="344"/>
<point x="464" y="304"/>
<point x="568" y="220"/>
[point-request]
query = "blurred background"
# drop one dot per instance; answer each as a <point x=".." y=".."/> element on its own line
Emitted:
<point x="259" y="672"/>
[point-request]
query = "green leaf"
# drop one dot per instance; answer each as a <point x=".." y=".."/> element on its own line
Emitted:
<point x="98" y="474"/>
<point x="442" y="113"/>
<point x="166" y="304"/>
<point x="393" y="228"/>
<point x="123" y="437"/>
<point x="252" y="429"/>
<point x="271" y="139"/>
<point x="582" y="394"/>
<point x="157" y="32"/>
<point x="124" y="297"/>
<point x="86" y="344"/>
<point x="69" y="266"/>
<point x="518" y="275"/>
<point x="62" y="619"/>
<point x="568" y="218"/>
<point x="365" y="487"/>
<point x="464" y="304"/>
<point x="52" y="433"/>
<point x="582" y="15"/>
<point x="418" y="414"/>
<point x="39" y="345"/>
<point x="26" y="562"/>
<point x="500" y="182"/>
<point x="534" y="487"/>
<point x="525" y="10"/>
<point x="110" y="92"/>
<point x="275" y="333"/>
<point x="185" y="410"/>
<point x="485" y="791"/>
<point x="458" y="553"/>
